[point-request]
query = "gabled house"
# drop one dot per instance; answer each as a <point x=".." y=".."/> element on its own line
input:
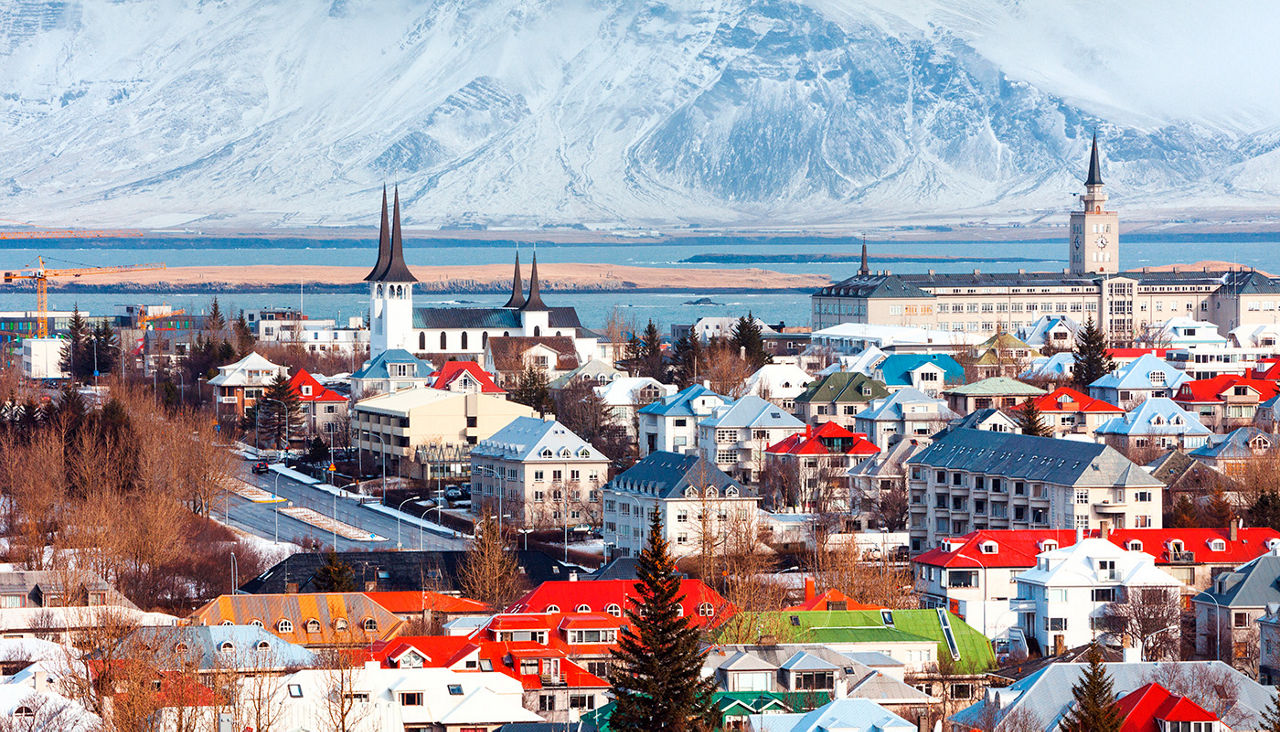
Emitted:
<point x="1066" y="411"/>
<point x="1226" y="614"/>
<point x="311" y="620"/>
<point x="390" y="370"/>
<point x="693" y="498"/>
<point x="879" y="476"/>
<point x="1153" y="708"/>
<point x="1227" y="402"/>
<point x="1057" y="332"/>
<point x="1232" y="453"/>
<point x="999" y="392"/>
<point x="905" y="414"/>
<point x="540" y="473"/>
<point x="210" y="649"/>
<point x="817" y="462"/>
<point x="465" y="377"/>
<point x="624" y="397"/>
<point x="506" y="357"/>
<point x="1060" y="368"/>
<point x="1156" y="422"/>
<point x="325" y="409"/>
<point x="837" y="397"/>
<point x="39" y="588"/>
<point x="1145" y="377"/>
<point x="670" y="424"/>
<point x="734" y="437"/>
<point x="1003" y="354"/>
<point x="238" y="385"/>
<point x="1183" y="332"/>
<point x="596" y="372"/>
<point x="837" y="714"/>
<point x="698" y="601"/>
<point x="928" y="373"/>
<point x="778" y="383"/>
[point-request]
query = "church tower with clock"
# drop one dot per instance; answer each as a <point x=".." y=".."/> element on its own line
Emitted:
<point x="1095" y="231"/>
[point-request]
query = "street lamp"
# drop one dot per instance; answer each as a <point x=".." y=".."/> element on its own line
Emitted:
<point x="1217" y="625"/>
<point x="411" y="498"/>
<point x="502" y="487"/>
<point x="383" y="451"/>
<point x="275" y="504"/>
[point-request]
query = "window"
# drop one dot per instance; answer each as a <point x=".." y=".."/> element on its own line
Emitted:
<point x="552" y="608"/>
<point x="1240" y="620"/>
<point x="1218" y="545"/>
<point x="1134" y="545"/>
<point x="813" y="680"/>
<point x="313" y="625"/>
<point x="227" y="647"/>
<point x="370" y="625"/>
<point x="1055" y="623"/>
<point x="1082" y="497"/>
<point x="340" y="625"/>
<point x="1104" y="594"/>
<point x="1142" y="496"/>
<point x="583" y="608"/>
<point x="295" y="691"/>
<point x="411" y="698"/>
<point x="582" y="701"/>
<point x="613" y="610"/>
<point x="284" y="626"/>
<point x="705" y="609"/>
<point x="455" y="689"/>
<point x="546" y="702"/>
<point x="263" y="646"/>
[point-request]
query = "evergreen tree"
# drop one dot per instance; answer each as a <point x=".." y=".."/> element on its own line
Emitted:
<point x="1217" y="511"/>
<point x="1095" y="708"/>
<point x="644" y="354"/>
<point x="688" y="356"/>
<point x="215" y="322"/>
<point x="75" y="359"/>
<point x="748" y="340"/>
<point x="243" y="335"/>
<point x="317" y="451"/>
<point x="658" y="681"/>
<point x="104" y="350"/>
<point x="531" y="389"/>
<point x="276" y="418"/>
<point x="1271" y="716"/>
<point x="1265" y="511"/>
<point x="335" y="575"/>
<point x="1030" y="421"/>
<point x="1091" y="359"/>
<point x="1184" y="514"/>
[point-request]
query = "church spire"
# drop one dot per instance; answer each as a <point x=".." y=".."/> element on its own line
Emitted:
<point x="864" y="270"/>
<point x="384" y="244"/>
<point x="395" y="269"/>
<point x="535" y="297"/>
<point x="517" y="288"/>
<point x="1095" y="170"/>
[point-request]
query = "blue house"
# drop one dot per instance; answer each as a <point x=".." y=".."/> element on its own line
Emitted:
<point x="390" y="371"/>
<point x="929" y="373"/>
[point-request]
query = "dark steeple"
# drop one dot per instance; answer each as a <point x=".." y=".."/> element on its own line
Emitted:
<point x="517" y="289"/>
<point x="535" y="297"/>
<point x="384" y="244"/>
<point x="864" y="269"/>
<point x="395" y="269"/>
<point x="1095" y="170"/>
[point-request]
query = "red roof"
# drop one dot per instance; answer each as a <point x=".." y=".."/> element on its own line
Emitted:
<point x="1066" y="399"/>
<point x="557" y="626"/>
<point x="801" y="443"/>
<point x="1129" y="354"/>
<point x="706" y="606"/>
<point x="862" y="446"/>
<point x="413" y="601"/>
<point x="456" y="652"/>
<point x="318" y="392"/>
<point x="823" y="602"/>
<point x="831" y="429"/>
<point x="1267" y="368"/>
<point x="1019" y="547"/>
<point x="454" y="369"/>
<point x="1146" y="706"/>
<point x="1213" y="390"/>
<point x="810" y="442"/>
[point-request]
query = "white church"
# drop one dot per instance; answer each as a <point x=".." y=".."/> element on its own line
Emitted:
<point x="460" y="333"/>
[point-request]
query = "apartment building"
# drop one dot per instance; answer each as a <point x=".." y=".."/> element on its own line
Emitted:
<point x="1066" y="411"/>
<point x="670" y="424"/>
<point x="734" y="438"/>
<point x="975" y="479"/>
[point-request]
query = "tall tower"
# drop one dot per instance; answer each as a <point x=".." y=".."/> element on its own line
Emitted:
<point x="535" y="318"/>
<point x="390" y="288"/>
<point x="1094" y="245"/>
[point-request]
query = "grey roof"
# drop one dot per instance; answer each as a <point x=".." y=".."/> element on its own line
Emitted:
<point x="1095" y="169"/>
<point x="975" y="419"/>
<point x="752" y="411"/>
<point x="1022" y="457"/>
<point x="1252" y="584"/>
<point x="891" y="407"/>
<point x="1235" y="444"/>
<point x="528" y="438"/>
<point x="561" y="317"/>
<point x="250" y="646"/>
<point x="805" y="661"/>
<point x="616" y="568"/>
<point x="668" y="474"/>
<point x="887" y="463"/>
<point x="1047" y="693"/>
<point x="837" y="714"/>
<point x="678" y="404"/>
<point x="880" y="285"/>
<point x="743" y="661"/>
<point x="908" y="284"/>
<point x="391" y="266"/>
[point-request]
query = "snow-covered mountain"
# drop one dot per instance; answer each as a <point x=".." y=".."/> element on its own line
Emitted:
<point x="223" y="113"/>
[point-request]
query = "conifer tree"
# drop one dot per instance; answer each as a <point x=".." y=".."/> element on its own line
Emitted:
<point x="1271" y="716"/>
<point x="103" y="353"/>
<point x="531" y="389"/>
<point x="748" y="340"/>
<point x="644" y="353"/>
<point x="335" y="575"/>
<point x="216" y="321"/>
<point x="75" y="360"/>
<point x="243" y="334"/>
<point x="1091" y="359"/>
<point x="688" y="359"/>
<point x="1095" y="708"/>
<point x="1031" y="421"/>
<point x="277" y="418"/>
<point x="1265" y="510"/>
<point x="1184" y="514"/>
<point x="658" y="680"/>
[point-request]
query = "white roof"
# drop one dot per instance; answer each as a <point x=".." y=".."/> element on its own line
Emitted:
<point x="20" y="619"/>
<point x="531" y="439"/>
<point x="897" y="335"/>
<point x="1077" y="566"/>
<point x="623" y="391"/>
<point x="251" y="370"/>
<point x="406" y="400"/>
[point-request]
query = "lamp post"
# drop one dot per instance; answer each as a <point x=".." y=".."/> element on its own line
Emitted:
<point x="383" y="451"/>
<point x="335" y="521"/>
<point x="275" y="504"/>
<point x="235" y="582"/>
<point x="411" y="498"/>
<point x="502" y="487"/>
<point x="1217" y="626"/>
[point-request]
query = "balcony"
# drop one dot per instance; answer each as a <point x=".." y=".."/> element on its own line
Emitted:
<point x="1022" y="605"/>
<point x="1182" y="557"/>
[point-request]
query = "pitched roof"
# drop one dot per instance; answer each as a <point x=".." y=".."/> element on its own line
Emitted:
<point x="241" y="372"/>
<point x="404" y="602"/>
<point x="1155" y="416"/>
<point x="1076" y="566"/>
<point x="508" y="352"/>
<point x="843" y="386"/>
<point x="451" y="371"/>
<point x="1095" y="167"/>
<point x="1003" y="340"/>
<point x="751" y="411"/>
<point x="996" y="386"/>
<point x="897" y="368"/>
<point x="1023" y="457"/>
<point x="1146" y="706"/>
<point x="1214" y="389"/>
<point x="565" y="318"/>
<point x="1252" y="584"/>
<point x="875" y="285"/>
<point x="626" y="390"/>
<point x="598" y="595"/>
<point x="529" y="438"/>
<point x="1066" y="399"/>
<point x="1237" y="445"/>
<point x="330" y="609"/>
<point x="671" y="475"/>
<point x="1137" y="375"/>
<point x="376" y="367"/>
<point x="318" y="392"/>
<point x="393" y="267"/>
<point x="213" y="646"/>
<point x="681" y="404"/>
<point x="894" y="406"/>
<point x="815" y="442"/>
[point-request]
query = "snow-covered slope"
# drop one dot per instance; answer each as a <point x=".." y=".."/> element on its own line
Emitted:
<point x="527" y="113"/>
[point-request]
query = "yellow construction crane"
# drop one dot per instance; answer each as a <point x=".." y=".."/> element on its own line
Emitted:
<point x="41" y="275"/>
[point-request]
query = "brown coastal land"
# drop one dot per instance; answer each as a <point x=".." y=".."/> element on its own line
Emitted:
<point x="566" y="276"/>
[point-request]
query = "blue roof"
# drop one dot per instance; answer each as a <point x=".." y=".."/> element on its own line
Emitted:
<point x="896" y="369"/>
<point x="376" y="368"/>
<point x="1137" y="375"/>
<point x="1059" y="364"/>
<point x="670" y="475"/>
<point x="1155" y="416"/>
<point x="206" y="645"/>
<point x="678" y="404"/>
<point x="529" y="438"/>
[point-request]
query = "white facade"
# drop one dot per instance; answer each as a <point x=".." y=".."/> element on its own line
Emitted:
<point x="41" y="357"/>
<point x="671" y="425"/>
<point x="390" y="316"/>
<point x="626" y="395"/>
<point x="1062" y="602"/>
<point x="734" y="438"/>
<point x="324" y="335"/>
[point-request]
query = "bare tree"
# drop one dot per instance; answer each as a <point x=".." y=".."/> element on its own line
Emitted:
<point x="344" y="704"/>
<point x="1150" y="618"/>
<point x="47" y="713"/>
<point x="1213" y="687"/>
<point x="489" y="572"/>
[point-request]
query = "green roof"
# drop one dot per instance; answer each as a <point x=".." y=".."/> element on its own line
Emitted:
<point x="843" y="387"/>
<point x="867" y="626"/>
<point x="735" y="704"/>
<point x="997" y="386"/>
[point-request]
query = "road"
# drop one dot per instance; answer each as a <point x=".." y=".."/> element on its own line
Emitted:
<point x="260" y="518"/>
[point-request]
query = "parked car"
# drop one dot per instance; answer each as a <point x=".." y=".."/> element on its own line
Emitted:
<point x="453" y="494"/>
<point x="260" y="467"/>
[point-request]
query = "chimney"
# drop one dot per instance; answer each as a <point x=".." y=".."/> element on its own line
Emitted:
<point x="810" y="591"/>
<point x="1079" y="534"/>
<point x="977" y="272"/>
<point x="573" y="576"/>
<point x="931" y="273"/>
<point x="291" y="588"/>
<point x="1022" y="271"/>
<point x="1235" y="529"/>
<point x="1104" y="529"/>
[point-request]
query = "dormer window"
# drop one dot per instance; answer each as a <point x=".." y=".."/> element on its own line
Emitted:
<point x="1175" y="545"/>
<point x="313" y="625"/>
<point x="1157" y="420"/>
<point x="1134" y="545"/>
<point x="553" y="608"/>
<point x="306" y="390"/>
<point x="1157" y="378"/>
<point x="546" y="453"/>
<point x="1048" y="545"/>
<point x="988" y="547"/>
<point x="1217" y="545"/>
<point x="583" y="608"/>
<point x="613" y="609"/>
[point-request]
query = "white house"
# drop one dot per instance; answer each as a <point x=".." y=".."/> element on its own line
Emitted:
<point x="696" y="501"/>
<point x="626" y="395"/>
<point x="238" y="385"/>
<point x="42" y="357"/>
<point x="778" y="383"/>
<point x="904" y="414"/>
<point x="722" y="327"/>
<point x="1063" y="602"/>
<point x="735" y="436"/>
<point x="670" y="424"/>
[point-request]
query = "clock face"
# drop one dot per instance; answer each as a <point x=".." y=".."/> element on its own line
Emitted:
<point x="1102" y="242"/>
<point x="1076" y="240"/>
